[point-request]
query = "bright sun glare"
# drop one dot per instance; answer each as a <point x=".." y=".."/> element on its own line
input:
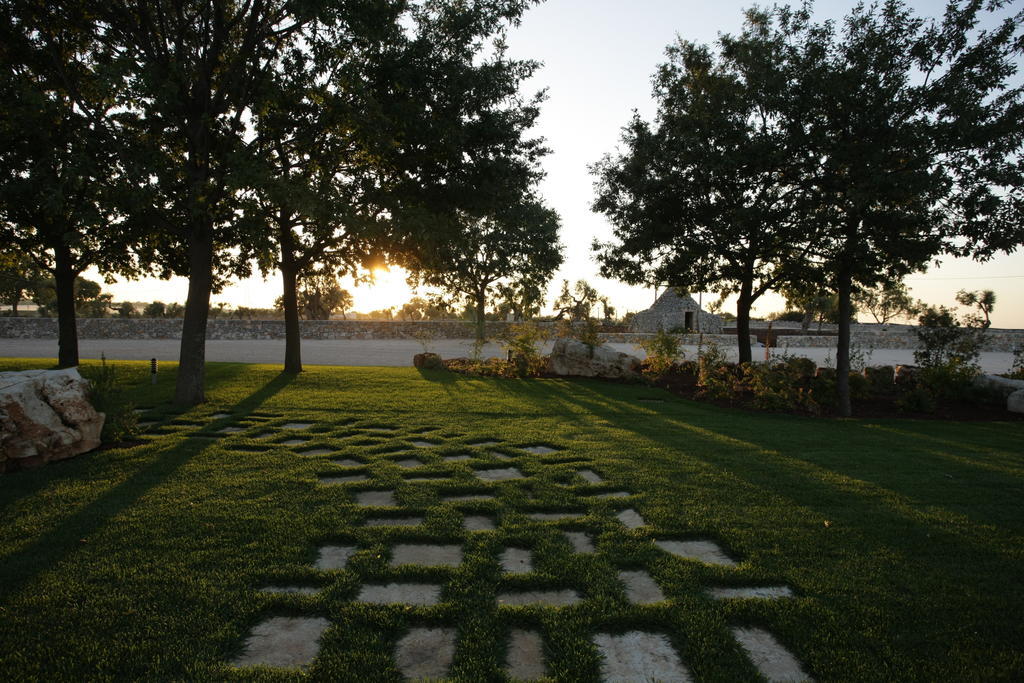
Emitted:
<point x="387" y="289"/>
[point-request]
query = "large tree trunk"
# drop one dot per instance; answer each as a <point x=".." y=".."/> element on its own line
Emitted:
<point x="480" y="301"/>
<point x="290" y="301"/>
<point x="189" y="389"/>
<point x="743" y="322"/>
<point x="844" y="289"/>
<point x="64" y="283"/>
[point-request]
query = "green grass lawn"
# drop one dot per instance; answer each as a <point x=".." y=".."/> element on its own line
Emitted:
<point x="903" y="541"/>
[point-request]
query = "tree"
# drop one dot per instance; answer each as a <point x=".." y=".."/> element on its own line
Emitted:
<point x="702" y="198"/>
<point x="155" y="309"/>
<point x="367" y="143"/>
<point x="524" y="299"/>
<point x="64" y="163"/>
<point x="518" y="244"/>
<point x="984" y="300"/>
<point x="320" y="295"/>
<point x="18" y="278"/>
<point x="911" y="138"/>
<point x="887" y="301"/>
<point x="576" y="304"/>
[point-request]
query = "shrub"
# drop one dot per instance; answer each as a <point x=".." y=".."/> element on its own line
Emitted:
<point x="782" y="385"/>
<point x="521" y="342"/>
<point x="716" y="379"/>
<point x="663" y="351"/>
<point x="944" y="340"/>
<point x="121" y="421"/>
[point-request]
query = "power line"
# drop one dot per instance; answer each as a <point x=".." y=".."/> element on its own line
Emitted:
<point x="965" y="277"/>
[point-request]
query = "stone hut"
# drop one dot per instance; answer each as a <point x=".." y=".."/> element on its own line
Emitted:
<point x="678" y="311"/>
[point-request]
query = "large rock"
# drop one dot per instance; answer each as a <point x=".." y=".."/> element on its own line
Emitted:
<point x="999" y="385"/>
<point x="45" y="415"/>
<point x="571" y="357"/>
<point x="1015" y="401"/>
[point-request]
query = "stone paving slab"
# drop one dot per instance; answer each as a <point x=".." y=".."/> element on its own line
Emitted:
<point x="707" y="552"/>
<point x="774" y="661"/>
<point x="499" y="474"/>
<point x="409" y="463"/>
<point x="524" y="659"/>
<point x="640" y="587"/>
<point x="540" y="450"/>
<point x="639" y="656"/>
<point x="225" y="430"/>
<point x="590" y="476"/>
<point x="314" y="452"/>
<point x="751" y="593"/>
<point x="283" y="642"/>
<point x="297" y="425"/>
<point x="613" y="494"/>
<point x="426" y="554"/>
<point x="551" y="598"/>
<point x="348" y="462"/>
<point x="219" y="416"/>
<point x="376" y="498"/>
<point x="631" y="519"/>
<point x="467" y="498"/>
<point x="478" y="523"/>
<point x="516" y="561"/>
<point x="553" y="516"/>
<point x="294" y="442"/>
<point x="298" y="590"/>
<point x="419" y="443"/>
<point x="580" y="541"/>
<point x="425" y="653"/>
<point x="404" y="593"/>
<point x="457" y="458"/>
<point x="499" y="456"/>
<point x="346" y="479"/>
<point x="483" y="444"/>
<point x="334" y="556"/>
<point x="393" y="521"/>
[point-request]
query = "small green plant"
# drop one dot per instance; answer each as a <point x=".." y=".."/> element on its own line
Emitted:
<point x="943" y="339"/>
<point x="716" y="379"/>
<point x="663" y="351"/>
<point x="121" y="422"/>
<point x="521" y="342"/>
<point x="588" y="333"/>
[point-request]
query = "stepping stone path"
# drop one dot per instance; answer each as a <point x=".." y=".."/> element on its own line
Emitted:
<point x="639" y="656"/>
<point x="429" y="651"/>
<point x="297" y="425"/>
<point x="500" y="474"/>
<point x="346" y="479"/>
<point x="631" y="519"/>
<point x="376" y="498"/>
<point x="478" y="523"/>
<point x="283" y="642"/>
<point x="774" y="661"/>
<point x="334" y="556"/>
<point x="761" y="593"/>
<point x="219" y="416"/>
<point x="552" y="598"/>
<point x="425" y="653"/>
<point x="516" y="561"/>
<point x="707" y="552"/>
<point x="580" y="541"/>
<point x="640" y="587"/>
<point x="426" y="555"/>
<point x="403" y="593"/>
<point x="524" y="659"/>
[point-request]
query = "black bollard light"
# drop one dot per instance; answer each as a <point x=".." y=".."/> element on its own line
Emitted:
<point x="152" y="370"/>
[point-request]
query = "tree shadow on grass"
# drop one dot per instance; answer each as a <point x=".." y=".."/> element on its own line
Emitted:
<point x="67" y="533"/>
<point x="789" y="458"/>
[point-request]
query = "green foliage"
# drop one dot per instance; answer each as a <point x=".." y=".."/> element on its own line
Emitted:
<point x="522" y="342"/>
<point x="155" y="309"/>
<point x="887" y="301"/>
<point x="945" y="341"/>
<point x="984" y="300"/>
<point x="576" y="304"/>
<point x="107" y="396"/>
<point x="588" y="332"/>
<point x="716" y="378"/>
<point x="663" y="351"/>
<point x="781" y="385"/>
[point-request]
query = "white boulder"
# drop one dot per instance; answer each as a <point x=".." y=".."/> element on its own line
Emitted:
<point x="1015" y="401"/>
<point x="45" y="415"/>
<point x="571" y="357"/>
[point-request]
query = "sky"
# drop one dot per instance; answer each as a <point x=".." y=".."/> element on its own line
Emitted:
<point x="598" y="57"/>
